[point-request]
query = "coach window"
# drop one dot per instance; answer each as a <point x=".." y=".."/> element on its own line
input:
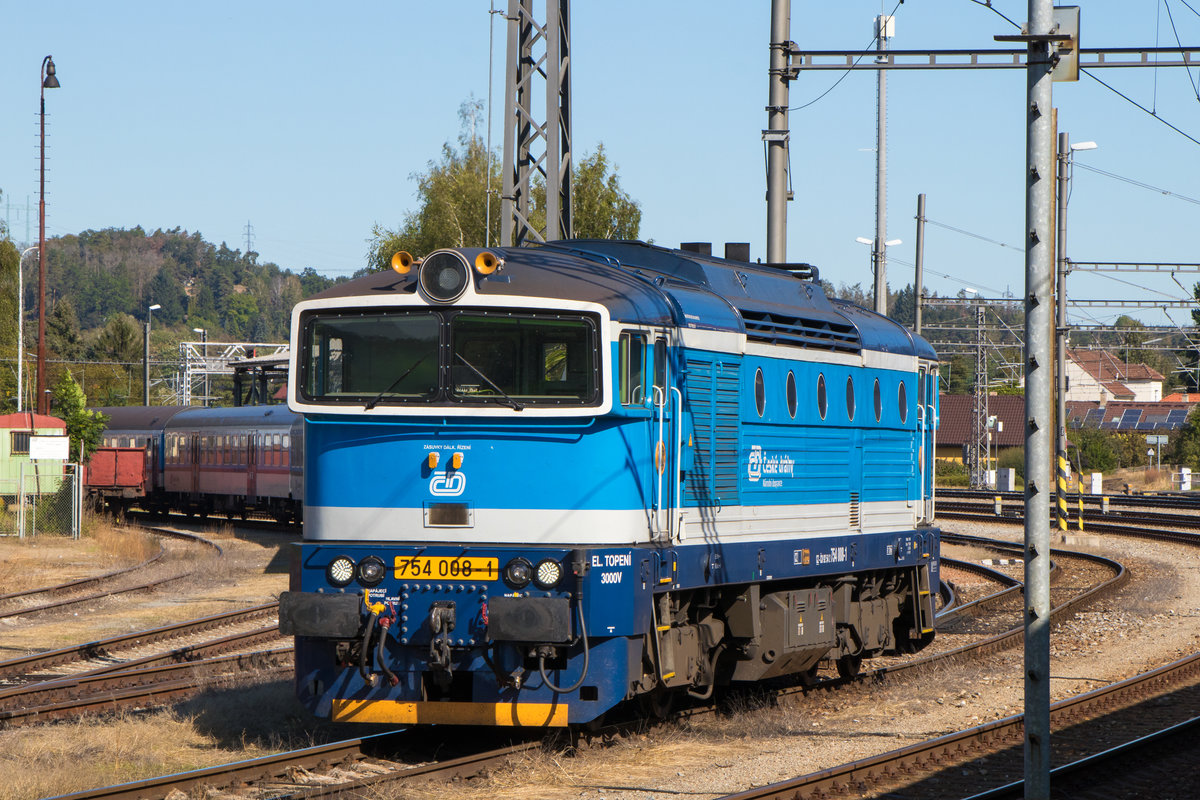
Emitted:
<point x="760" y="392"/>
<point x="902" y="398"/>
<point x="878" y="402"/>
<point x="822" y="400"/>
<point x="850" y="397"/>
<point x="633" y="369"/>
<point x="791" y="394"/>
<point x="20" y="442"/>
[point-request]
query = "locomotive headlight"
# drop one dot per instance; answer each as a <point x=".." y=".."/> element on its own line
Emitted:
<point x="340" y="571"/>
<point x="518" y="573"/>
<point x="371" y="571"/>
<point x="549" y="572"/>
<point x="444" y="276"/>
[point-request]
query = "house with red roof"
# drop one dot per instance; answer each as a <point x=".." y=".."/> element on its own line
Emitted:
<point x="1098" y="376"/>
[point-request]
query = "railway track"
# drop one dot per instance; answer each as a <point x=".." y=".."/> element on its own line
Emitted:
<point x="348" y="767"/>
<point x="1093" y="721"/>
<point x="1091" y="731"/>
<point x="111" y="581"/>
<point x="328" y="770"/>
<point x="36" y="666"/>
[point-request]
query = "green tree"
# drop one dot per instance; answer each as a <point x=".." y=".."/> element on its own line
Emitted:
<point x="121" y="339"/>
<point x="83" y="425"/>
<point x="62" y="331"/>
<point x="453" y="203"/>
<point x="9" y="261"/>
<point x="240" y="313"/>
<point x="601" y="208"/>
<point x="452" y="200"/>
<point x="1185" y="450"/>
<point x="1095" y="451"/>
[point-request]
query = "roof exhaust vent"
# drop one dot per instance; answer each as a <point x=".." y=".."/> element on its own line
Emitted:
<point x="737" y="251"/>
<point x="699" y="248"/>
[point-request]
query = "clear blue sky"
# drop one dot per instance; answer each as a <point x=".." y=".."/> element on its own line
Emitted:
<point x="308" y="121"/>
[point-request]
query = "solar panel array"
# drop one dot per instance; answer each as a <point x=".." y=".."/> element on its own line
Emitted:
<point x="1133" y="419"/>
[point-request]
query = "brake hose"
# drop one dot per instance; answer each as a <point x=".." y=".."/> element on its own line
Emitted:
<point x="578" y="683"/>
<point x="365" y="647"/>
<point x="384" y="624"/>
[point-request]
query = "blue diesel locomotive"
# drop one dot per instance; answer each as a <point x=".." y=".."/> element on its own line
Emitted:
<point x="543" y="481"/>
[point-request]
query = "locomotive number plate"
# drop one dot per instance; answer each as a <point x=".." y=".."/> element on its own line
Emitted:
<point x="479" y="569"/>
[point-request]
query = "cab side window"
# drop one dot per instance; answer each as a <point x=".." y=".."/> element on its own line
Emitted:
<point x="660" y="366"/>
<point x="632" y="369"/>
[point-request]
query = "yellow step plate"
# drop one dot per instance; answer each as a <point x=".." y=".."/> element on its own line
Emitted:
<point x="532" y="715"/>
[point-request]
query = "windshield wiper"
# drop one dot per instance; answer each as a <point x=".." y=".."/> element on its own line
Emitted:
<point x="375" y="400"/>
<point x="513" y="404"/>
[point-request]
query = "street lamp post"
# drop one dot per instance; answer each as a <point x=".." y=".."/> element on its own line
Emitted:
<point x="49" y="81"/>
<point x="879" y="266"/>
<point x="146" y="356"/>
<point x="204" y="354"/>
<point x="21" y="329"/>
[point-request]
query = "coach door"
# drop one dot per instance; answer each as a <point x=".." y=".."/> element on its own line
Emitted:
<point x="252" y="451"/>
<point x="196" y="456"/>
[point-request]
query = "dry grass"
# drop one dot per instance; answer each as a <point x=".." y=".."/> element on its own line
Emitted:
<point x="50" y="560"/>
<point x="220" y="726"/>
<point x="120" y="543"/>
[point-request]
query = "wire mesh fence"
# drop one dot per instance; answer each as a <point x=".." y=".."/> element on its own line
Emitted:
<point x="44" y="502"/>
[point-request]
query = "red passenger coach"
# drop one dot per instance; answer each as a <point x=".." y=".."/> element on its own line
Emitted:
<point x="232" y="461"/>
<point x="235" y="461"/>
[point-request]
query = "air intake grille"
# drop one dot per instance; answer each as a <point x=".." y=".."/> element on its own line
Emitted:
<point x="855" y="511"/>
<point x="824" y="334"/>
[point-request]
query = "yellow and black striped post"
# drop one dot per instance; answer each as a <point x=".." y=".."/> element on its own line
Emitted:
<point x="1061" y="506"/>
<point x="1081" y="515"/>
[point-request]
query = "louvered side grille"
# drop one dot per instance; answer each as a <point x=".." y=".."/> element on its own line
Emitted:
<point x="801" y="332"/>
<point x="712" y="399"/>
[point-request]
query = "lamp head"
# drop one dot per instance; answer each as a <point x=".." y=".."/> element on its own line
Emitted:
<point x="1084" y="146"/>
<point x="50" y="81"/>
<point x="154" y="307"/>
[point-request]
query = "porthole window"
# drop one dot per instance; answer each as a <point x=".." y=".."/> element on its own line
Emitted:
<point x="902" y="398"/>
<point x="878" y="402"/>
<point x="822" y="400"/>
<point x="791" y="394"/>
<point x="850" y="398"/>
<point x="760" y="392"/>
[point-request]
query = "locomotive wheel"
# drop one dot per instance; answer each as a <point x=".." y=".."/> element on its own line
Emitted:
<point x="848" y="666"/>
<point x="657" y="703"/>
<point x="809" y="676"/>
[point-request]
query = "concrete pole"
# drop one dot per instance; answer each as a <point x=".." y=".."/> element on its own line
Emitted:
<point x="776" y="135"/>
<point x="1060" y="328"/>
<point x="1039" y="310"/>
<point x="879" y="251"/>
<point x="919" y="284"/>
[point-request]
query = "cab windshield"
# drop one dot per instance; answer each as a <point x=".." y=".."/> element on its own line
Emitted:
<point x="450" y="357"/>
